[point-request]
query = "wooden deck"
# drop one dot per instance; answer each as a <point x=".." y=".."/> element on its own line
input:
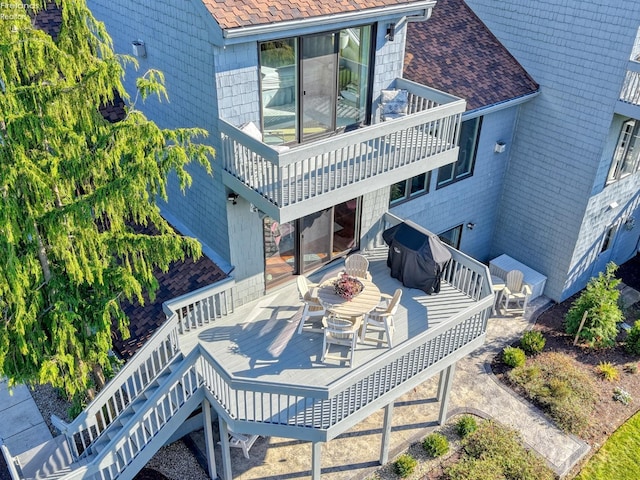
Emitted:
<point x="259" y="341"/>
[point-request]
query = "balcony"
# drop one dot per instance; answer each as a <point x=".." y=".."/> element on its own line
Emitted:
<point x="310" y="177"/>
<point x="629" y="102"/>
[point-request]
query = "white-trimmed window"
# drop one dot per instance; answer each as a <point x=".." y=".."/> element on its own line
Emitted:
<point x="410" y="188"/>
<point x="463" y="167"/>
<point x="627" y="154"/>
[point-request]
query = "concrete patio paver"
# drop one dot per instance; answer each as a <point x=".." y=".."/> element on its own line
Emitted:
<point x="21" y="424"/>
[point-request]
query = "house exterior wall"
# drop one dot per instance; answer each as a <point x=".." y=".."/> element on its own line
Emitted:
<point x="553" y="209"/>
<point x="177" y="40"/>
<point x="473" y="199"/>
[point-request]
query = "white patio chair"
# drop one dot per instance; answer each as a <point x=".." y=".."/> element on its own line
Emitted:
<point x="515" y="291"/>
<point x="380" y="320"/>
<point x="357" y="265"/>
<point x="312" y="306"/>
<point x="340" y="332"/>
<point x="243" y="441"/>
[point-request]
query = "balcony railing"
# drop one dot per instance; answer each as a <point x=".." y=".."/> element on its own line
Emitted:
<point x="369" y="157"/>
<point x="630" y="92"/>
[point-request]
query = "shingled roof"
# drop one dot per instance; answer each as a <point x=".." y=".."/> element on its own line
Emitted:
<point x="455" y="52"/>
<point x="181" y="278"/>
<point x="244" y="13"/>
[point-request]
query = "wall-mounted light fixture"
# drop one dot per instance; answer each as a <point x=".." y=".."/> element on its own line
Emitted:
<point x="139" y="49"/>
<point x="391" y="31"/>
<point x="499" y="147"/>
<point x="613" y="205"/>
<point x="233" y="197"/>
<point x="471" y="226"/>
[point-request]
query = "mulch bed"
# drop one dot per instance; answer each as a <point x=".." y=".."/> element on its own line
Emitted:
<point x="608" y="414"/>
<point x="149" y="474"/>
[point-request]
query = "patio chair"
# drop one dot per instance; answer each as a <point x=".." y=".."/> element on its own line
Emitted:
<point x="341" y="332"/>
<point x="243" y="441"/>
<point x="357" y="265"/>
<point x="380" y="320"/>
<point x="515" y="291"/>
<point x="312" y="306"/>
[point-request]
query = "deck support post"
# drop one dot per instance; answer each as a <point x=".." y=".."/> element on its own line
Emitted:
<point x="386" y="433"/>
<point x="444" y="388"/>
<point x="316" y="455"/>
<point x="441" y="379"/>
<point x="208" y="439"/>
<point x="226" y="449"/>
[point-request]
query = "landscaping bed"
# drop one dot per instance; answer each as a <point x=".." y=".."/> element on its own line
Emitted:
<point x="607" y="414"/>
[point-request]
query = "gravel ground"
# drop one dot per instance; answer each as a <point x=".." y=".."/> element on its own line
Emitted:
<point x="175" y="461"/>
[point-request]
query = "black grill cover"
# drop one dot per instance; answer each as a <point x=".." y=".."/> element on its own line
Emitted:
<point x="415" y="258"/>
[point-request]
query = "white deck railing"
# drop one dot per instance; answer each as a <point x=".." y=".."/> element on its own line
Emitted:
<point x="305" y="171"/>
<point x="201" y="307"/>
<point x="197" y="308"/>
<point x="630" y="92"/>
<point x="317" y="413"/>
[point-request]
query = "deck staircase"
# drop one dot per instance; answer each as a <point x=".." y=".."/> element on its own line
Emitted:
<point x="138" y="410"/>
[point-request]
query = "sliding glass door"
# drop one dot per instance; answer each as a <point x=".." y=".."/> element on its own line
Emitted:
<point x="303" y="245"/>
<point x="318" y="86"/>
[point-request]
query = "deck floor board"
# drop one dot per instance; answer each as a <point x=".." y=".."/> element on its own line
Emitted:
<point x="260" y="340"/>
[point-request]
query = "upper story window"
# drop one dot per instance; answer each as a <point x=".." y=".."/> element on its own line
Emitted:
<point x="627" y="154"/>
<point x="315" y="84"/>
<point x="410" y="188"/>
<point x="463" y="167"/>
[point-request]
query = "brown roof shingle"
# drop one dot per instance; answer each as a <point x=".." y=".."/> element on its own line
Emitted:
<point x="244" y="13"/>
<point x="455" y="52"/>
<point x="182" y="277"/>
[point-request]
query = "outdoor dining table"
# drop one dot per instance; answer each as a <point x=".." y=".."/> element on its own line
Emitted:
<point x="359" y="305"/>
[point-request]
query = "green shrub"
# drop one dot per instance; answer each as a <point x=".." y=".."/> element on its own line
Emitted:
<point x="495" y="452"/>
<point x="631" y="368"/>
<point x="555" y="383"/>
<point x="405" y="464"/>
<point x="608" y="371"/>
<point x="632" y="343"/>
<point x="600" y="300"/>
<point x="513" y="356"/>
<point x="466" y="425"/>
<point x="470" y="468"/>
<point x="621" y="395"/>
<point x="532" y="342"/>
<point x="435" y="445"/>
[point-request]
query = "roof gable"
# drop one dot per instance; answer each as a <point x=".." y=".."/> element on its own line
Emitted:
<point x="454" y="51"/>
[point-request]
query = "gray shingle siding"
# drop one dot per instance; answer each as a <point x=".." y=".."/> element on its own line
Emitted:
<point x="474" y="199"/>
<point x="176" y="39"/>
<point x="577" y="52"/>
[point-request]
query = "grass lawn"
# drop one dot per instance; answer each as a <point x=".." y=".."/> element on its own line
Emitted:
<point x="618" y="457"/>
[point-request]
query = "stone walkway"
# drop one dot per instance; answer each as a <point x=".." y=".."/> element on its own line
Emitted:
<point x="21" y="424"/>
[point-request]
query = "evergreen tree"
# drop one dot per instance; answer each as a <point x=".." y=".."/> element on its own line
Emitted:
<point x="73" y="187"/>
<point x="603" y="314"/>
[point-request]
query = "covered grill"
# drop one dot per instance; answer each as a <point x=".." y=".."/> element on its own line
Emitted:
<point x="415" y="258"/>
